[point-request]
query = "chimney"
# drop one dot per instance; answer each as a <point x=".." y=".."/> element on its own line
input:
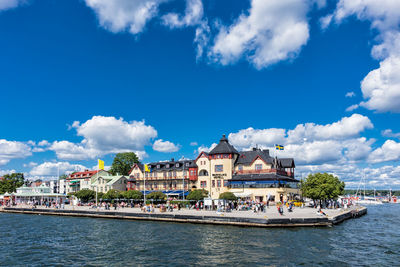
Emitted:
<point x="172" y="159"/>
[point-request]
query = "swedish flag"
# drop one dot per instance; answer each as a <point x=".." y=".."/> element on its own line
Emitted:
<point x="279" y="147"/>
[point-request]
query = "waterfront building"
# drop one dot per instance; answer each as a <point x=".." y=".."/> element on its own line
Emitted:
<point x="173" y="178"/>
<point x="39" y="194"/>
<point x="83" y="180"/>
<point x="104" y="183"/>
<point x="63" y="186"/>
<point x="251" y="175"/>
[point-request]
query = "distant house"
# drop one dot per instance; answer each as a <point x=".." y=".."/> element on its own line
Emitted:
<point x="105" y="183"/>
<point x="83" y="180"/>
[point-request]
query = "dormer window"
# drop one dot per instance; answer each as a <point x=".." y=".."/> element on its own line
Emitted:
<point x="187" y="164"/>
<point x="167" y="165"/>
<point x="177" y="165"/>
<point x="158" y="166"/>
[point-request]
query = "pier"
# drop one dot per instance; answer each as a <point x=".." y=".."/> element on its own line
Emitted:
<point x="305" y="217"/>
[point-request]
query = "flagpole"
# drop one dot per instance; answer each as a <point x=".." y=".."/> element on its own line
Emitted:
<point x="97" y="180"/>
<point x="144" y="185"/>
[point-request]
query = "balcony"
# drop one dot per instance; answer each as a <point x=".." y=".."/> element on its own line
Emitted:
<point x="276" y="171"/>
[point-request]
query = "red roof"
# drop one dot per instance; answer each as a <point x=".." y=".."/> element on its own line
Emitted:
<point x="82" y="174"/>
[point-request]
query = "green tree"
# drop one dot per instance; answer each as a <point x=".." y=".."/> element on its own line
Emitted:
<point x="198" y="194"/>
<point x="123" y="163"/>
<point x="62" y="177"/>
<point x="112" y="194"/>
<point x="322" y="186"/>
<point x="85" y="195"/>
<point x="227" y="196"/>
<point x="11" y="182"/>
<point x="156" y="195"/>
<point x="132" y="194"/>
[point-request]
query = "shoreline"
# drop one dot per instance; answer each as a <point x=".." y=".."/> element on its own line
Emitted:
<point x="202" y="217"/>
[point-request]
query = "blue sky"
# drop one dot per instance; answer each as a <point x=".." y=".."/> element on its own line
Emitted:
<point x="85" y="79"/>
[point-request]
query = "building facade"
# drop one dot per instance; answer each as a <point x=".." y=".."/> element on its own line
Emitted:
<point x="251" y="175"/>
<point x="173" y="178"/>
<point x="83" y="180"/>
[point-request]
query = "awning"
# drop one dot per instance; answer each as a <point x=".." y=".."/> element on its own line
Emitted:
<point x="243" y="194"/>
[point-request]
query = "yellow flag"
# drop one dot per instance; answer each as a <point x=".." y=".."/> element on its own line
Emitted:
<point x="101" y="164"/>
<point x="146" y="168"/>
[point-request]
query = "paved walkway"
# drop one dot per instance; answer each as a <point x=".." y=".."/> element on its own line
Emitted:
<point x="271" y="212"/>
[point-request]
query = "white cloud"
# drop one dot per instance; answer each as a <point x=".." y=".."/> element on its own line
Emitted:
<point x="30" y="164"/>
<point x="345" y="128"/>
<point x="350" y="94"/>
<point x="121" y="15"/>
<point x="204" y="148"/>
<point x="272" y="31"/>
<point x="165" y="146"/>
<point x="105" y="135"/>
<point x="12" y="150"/>
<point x="250" y="137"/>
<point x="312" y="143"/>
<point x="390" y="133"/>
<point x="54" y="168"/>
<point x="352" y="108"/>
<point x="194" y="144"/>
<point x="381" y="87"/>
<point x="389" y="151"/>
<point x="4" y="172"/>
<point x="193" y="15"/>
<point x="7" y="4"/>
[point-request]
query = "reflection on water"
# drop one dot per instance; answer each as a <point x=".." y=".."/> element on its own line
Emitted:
<point x="46" y="240"/>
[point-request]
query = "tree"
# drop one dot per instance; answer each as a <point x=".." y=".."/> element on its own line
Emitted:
<point x="156" y="195"/>
<point x="85" y="195"/>
<point x="198" y="194"/>
<point x="112" y="194"/>
<point x="11" y="182"/>
<point x="123" y="163"/>
<point x="132" y="194"/>
<point x="322" y="186"/>
<point x="227" y="196"/>
<point x="62" y="177"/>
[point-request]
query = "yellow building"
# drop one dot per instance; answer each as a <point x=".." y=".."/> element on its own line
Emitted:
<point x="252" y="175"/>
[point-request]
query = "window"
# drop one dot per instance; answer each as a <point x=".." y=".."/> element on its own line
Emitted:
<point x="226" y="156"/>
<point x="169" y="174"/>
<point x="225" y="183"/>
<point x="165" y="174"/>
<point x="187" y="164"/>
<point x="165" y="185"/>
<point x="175" y="185"/>
<point x="258" y="167"/>
<point x="177" y="165"/>
<point x="167" y="165"/>
<point x="240" y="167"/>
<point x="218" y="183"/>
<point x="158" y="166"/>
<point x="203" y="184"/>
<point x="219" y="168"/>
<point x="213" y="183"/>
<point x="174" y="173"/>
<point x="155" y="185"/>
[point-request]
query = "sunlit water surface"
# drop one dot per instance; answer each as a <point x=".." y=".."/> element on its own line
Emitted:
<point x="36" y="240"/>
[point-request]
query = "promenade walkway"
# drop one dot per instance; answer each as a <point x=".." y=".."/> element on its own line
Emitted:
<point x="270" y="213"/>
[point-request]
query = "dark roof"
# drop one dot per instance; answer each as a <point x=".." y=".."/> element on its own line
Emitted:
<point x="223" y="147"/>
<point x="247" y="157"/>
<point x="262" y="176"/>
<point x="172" y="165"/>
<point x="286" y="163"/>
